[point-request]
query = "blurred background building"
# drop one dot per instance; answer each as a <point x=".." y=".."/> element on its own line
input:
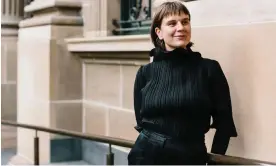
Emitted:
<point x="71" y="64"/>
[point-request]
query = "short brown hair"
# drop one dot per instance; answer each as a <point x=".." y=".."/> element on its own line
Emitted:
<point x="164" y="10"/>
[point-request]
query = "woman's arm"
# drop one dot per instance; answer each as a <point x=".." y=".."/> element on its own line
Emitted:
<point x="138" y="85"/>
<point x="220" y="143"/>
<point x="222" y="114"/>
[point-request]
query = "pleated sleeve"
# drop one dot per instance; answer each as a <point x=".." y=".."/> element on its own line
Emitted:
<point x="222" y="116"/>
<point x="139" y="83"/>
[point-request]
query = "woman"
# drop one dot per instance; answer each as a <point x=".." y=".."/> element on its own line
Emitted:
<point x="176" y="95"/>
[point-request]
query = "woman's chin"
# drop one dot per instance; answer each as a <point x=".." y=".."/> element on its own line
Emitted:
<point x="181" y="44"/>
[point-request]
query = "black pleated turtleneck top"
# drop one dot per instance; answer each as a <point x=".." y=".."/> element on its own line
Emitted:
<point x="179" y="92"/>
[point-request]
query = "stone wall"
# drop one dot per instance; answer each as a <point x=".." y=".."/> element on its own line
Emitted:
<point x="249" y="64"/>
<point x="108" y="100"/>
<point x="108" y="96"/>
<point x="240" y="35"/>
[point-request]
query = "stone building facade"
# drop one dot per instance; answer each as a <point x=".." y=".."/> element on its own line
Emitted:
<point x="11" y="14"/>
<point x="64" y="68"/>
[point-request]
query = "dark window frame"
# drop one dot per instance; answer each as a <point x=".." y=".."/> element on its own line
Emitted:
<point x="129" y="23"/>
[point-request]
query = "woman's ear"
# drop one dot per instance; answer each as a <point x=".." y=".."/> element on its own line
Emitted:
<point x="158" y="33"/>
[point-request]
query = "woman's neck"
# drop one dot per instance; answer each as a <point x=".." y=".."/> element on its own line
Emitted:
<point x="169" y="48"/>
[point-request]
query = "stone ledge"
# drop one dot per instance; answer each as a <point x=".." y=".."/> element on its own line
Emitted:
<point x="131" y="43"/>
<point x="91" y="57"/>
<point x="10" y="21"/>
<point x="116" y="62"/>
<point x="12" y="32"/>
<point x="53" y="12"/>
<point x="41" y="5"/>
<point x="51" y="20"/>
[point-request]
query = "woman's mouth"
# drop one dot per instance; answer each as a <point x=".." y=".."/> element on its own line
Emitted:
<point x="181" y="37"/>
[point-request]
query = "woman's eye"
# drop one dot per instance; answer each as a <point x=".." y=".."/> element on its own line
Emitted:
<point x="185" y="22"/>
<point x="171" y="23"/>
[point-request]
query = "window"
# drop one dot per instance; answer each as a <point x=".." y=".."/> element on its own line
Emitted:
<point x="135" y="18"/>
<point x="26" y="2"/>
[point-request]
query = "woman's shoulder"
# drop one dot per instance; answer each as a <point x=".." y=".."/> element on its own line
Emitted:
<point x="143" y="69"/>
<point x="210" y="63"/>
<point x="213" y="67"/>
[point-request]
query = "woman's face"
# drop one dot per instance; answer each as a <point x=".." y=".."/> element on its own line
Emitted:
<point x="175" y="30"/>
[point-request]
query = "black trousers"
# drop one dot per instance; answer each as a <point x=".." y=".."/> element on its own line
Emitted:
<point x="152" y="148"/>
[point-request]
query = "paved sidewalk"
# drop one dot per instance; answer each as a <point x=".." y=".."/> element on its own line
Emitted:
<point x="6" y="155"/>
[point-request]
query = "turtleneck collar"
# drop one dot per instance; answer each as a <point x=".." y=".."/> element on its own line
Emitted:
<point x="159" y="54"/>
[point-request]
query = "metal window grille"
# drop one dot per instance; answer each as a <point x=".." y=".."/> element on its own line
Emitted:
<point x="135" y="18"/>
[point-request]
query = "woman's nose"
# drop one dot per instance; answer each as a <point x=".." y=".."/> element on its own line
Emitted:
<point x="180" y="26"/>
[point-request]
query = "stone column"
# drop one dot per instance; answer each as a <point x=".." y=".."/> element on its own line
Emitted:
<point x="50" y="80"/>
<point x="11" y="14"/>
